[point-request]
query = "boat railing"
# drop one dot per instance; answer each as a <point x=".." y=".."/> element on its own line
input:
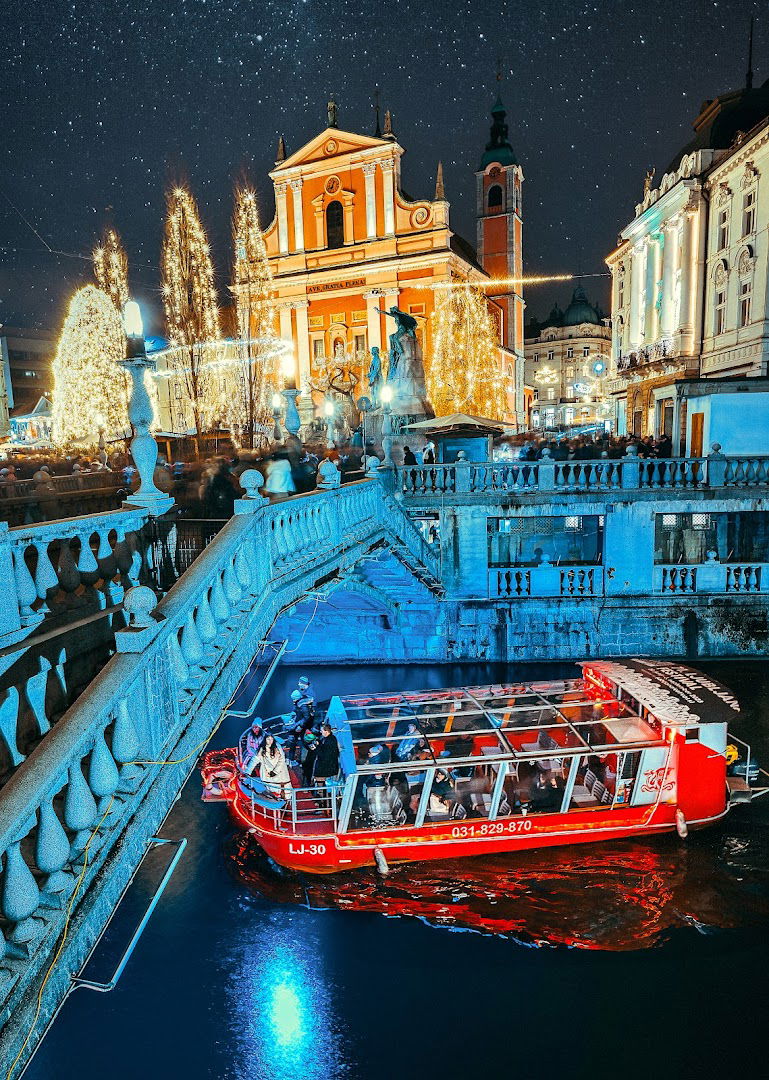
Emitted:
<point x="316" y="805"/>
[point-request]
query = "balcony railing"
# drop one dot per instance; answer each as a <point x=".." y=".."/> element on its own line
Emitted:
<point x="603" y="474"/>
<point x="712" y="577"/>
<point x="509" y="582"/>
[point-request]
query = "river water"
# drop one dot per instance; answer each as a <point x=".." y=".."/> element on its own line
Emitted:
<point x="631" y="958"/>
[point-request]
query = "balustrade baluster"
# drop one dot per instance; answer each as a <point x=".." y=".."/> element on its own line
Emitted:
<point x="20" y="897"/>
<point x="35" y="692"/>
<point x="125" y="741"/>
<point x="67" y="571"/>
<point x="243" y="569"/>
<point x="45" y="575"/>
<point x="220" y="607"/>
<point x="9" y="720"/>
<point x="103" y="775"/>
<point x="52" y="849"/>
<point x="192" y="646"/>
<point x="204" y="620"/>
<point x="177" y="663"/>
<point x="86" y="563"/>
<point x="79" y="808"/>
<point x="26" y="593"/>
<point x="232" y="588"/>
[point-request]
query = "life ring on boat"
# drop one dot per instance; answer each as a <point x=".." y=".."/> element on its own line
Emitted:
<point x="681" y="827"/>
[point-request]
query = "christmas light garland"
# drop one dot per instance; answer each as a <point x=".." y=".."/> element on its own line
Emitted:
<point x="110" y="267"/>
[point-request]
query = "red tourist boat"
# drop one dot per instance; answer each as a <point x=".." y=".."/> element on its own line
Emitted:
<point x="631" y="747"/>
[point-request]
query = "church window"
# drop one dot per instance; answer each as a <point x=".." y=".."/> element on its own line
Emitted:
<point x="749" y="213"/>
<point x="723" y="229"/>
<point x="360" y="344"/>
<point x="746" y="292"/>
<point x="334" y="225"/>
<point x="494" y="201"/>
<point x="720" y="312"/>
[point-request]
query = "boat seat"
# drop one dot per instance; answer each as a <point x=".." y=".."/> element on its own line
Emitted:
<point x="581" y="795"/>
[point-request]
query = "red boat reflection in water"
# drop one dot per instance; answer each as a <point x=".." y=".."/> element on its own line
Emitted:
<point x="618" y="896"/>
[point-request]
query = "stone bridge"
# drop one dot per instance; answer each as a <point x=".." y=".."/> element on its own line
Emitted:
<point x="77" y="812"/>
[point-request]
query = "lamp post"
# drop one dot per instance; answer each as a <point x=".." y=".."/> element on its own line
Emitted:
<point x="386" y="396"/>
<point x="144" y="449"/>
<point x="328" y="412"/>
<point x="277" y="405"/>
<point x="290" y="393"/>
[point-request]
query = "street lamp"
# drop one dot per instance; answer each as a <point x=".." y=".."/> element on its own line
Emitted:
<point x="290" y="393"/>
<point x="386" y="396"/>
<point x="144" y="449"/>
<point x="277" y="404"/>
<point x="328" y="411"/>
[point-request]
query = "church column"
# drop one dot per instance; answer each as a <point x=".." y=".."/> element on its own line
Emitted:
<point x="388" y="170"/>
<point x="374" y="319"/>
<point x="669" y="260"/>
<point x="636" y="291"/>
<point x="280" y="207"/>
<point x="652" y="287"/>
<point x="301" y="307"/>
<point x="369" y="172"/>
<point x="296" y="192"/>
<point x="688" y="282"/>
<point x="286" y="327"/>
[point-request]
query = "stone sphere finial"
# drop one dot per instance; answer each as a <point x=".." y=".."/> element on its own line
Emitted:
<point x="251" y="480"/>
<point x="631" y="450"/>
<point x="139" y="602"/>
<point x="716" y="447"/>
<point x="545" y="455"/>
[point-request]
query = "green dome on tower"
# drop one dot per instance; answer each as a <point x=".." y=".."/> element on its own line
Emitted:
<point x="498" y="149"/>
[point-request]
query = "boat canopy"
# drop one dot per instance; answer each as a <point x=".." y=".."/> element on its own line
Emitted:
<point x="505" y="722"/>
<point x="677" y="695"/>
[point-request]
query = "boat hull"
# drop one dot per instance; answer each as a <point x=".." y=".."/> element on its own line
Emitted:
<point x="329" y="853"/>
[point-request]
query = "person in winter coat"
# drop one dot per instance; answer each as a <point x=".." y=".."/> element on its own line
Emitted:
<point x="273" y="770"/>
<point x="327" y="761"/>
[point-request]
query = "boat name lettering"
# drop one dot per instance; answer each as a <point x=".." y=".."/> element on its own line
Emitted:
<point x="307" y="849"/>
<point x="493" y="828"/>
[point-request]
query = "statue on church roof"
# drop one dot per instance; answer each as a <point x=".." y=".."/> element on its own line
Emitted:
<point x="332" y="113"/>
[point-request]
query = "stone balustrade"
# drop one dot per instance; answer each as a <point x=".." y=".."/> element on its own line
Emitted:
<point x="118" y="757"/>
<point x="25" y="500"/>
<point x="711" y="577"/>
<point x="48" y="563"/>
<point x="601" y="475"/>
<point x="506" y="583"/>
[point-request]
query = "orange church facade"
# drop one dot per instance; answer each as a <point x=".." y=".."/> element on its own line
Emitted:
<point x="346" y="241"/>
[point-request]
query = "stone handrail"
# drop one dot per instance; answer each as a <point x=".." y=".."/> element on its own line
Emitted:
<point x="601" y="474"/>
<point x="176" y="667"/>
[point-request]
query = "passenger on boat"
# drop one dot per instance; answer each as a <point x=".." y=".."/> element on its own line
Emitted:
<point x="311" y="747"/>
<point x="253" y="742"/>
<point x="385" y="806"/>
<point x="443" y="797"/>
<point x="410" y="744"/>
<point x="303" y="706"/>
<point x="379" y="754"/>
<point x="546" y="792"/>
<point x="327" y="760"/>
<point x="273" y="769"/>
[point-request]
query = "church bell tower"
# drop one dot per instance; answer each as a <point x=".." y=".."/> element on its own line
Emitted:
<point x="499" y="178"/>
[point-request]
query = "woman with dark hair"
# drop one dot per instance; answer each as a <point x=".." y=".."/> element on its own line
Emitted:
<point x="273" y="770"/>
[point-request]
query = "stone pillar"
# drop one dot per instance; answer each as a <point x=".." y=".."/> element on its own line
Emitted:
<point x="388" y="177"/>
<point x="280" y="208"/>
<point x="286" y="328"/>
<point x="669" y="267"/>
<point x="373" y="300"/>
<point x="296" y="192"/>
<point x="636" y="290"/>
<point x="303" y="343"/>
<point x="652" y="287"/>
<point x="688" y="278"/>
<point x="369" y="172"/>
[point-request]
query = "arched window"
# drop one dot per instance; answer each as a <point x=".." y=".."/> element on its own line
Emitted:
<point x="334" y="225"/>
<point x="494" y="200"/>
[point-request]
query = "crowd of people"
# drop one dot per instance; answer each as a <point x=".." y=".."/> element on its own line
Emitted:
<point x="595" y="447"/>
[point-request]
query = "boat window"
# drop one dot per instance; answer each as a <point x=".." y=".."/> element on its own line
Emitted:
<point x="533" y="787"/>
<point x="387" y="799"/>
<point x="595" y="783"/>
<point x="460" y="792"/>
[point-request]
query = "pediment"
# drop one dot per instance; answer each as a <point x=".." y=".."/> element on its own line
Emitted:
<point x="329" y="145"/>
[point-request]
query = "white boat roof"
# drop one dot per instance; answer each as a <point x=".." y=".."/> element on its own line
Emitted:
<point x="676" y="694"/>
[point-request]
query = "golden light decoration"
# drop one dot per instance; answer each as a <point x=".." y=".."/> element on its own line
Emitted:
<point x="110" y="267"/>
<point x="89" y="387"/>
<point x="464" y="366"/>
<point x="191" y="307"/>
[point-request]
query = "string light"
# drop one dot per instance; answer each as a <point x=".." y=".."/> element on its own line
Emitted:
<point x="258" y="350"/>
<point x="190" y="305"/>
<point x="110" y="267"/>
<point x="464" y="369"/>
<point x="87" y="380"/>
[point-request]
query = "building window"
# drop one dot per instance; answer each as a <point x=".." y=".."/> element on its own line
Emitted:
<point x="720" y="312"/>
<point x="723" y="229"/>
<point x="494" y="201"/>
<point x="360" y="344"/>
<point x="569" y="353"/>
<point x="532" y="541"/>
<point x="536" y="395"/>
<point x="550" y="393"/>
<point x="746" y="293"/>
<point x="535" y="357"/>
<point x="621" y="293"/>
<point x="550" y="355"/>
<point x="317" y="348"/>
<point x="742" y="536"/>
<point x="334" y="225"/>
<point x="570" y="372"/>
<point x="749" y="213"/>
<point x="586" y="350"/>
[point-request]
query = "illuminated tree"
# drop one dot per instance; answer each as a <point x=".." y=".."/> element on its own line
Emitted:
<point x="463" y="373"/>
<point x="110" y="267"/>
<point x="90" y="390"/>
<point x="191" y="309"/>
<point x="251" y="382"/>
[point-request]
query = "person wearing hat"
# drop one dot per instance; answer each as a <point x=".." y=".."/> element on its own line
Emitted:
<point x="253" y="742"/>
<point x="378" y="754"/>
<point x="311" y="747"/>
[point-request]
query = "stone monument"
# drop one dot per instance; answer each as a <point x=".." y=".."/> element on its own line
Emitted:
<point x="406" y="373"/>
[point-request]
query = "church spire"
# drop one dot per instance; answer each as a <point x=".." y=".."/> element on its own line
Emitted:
<point x="281" y="155"/>
<point x="440" y="191"/>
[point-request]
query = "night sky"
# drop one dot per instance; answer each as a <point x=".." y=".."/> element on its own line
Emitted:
<point x="104" y="104"/>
